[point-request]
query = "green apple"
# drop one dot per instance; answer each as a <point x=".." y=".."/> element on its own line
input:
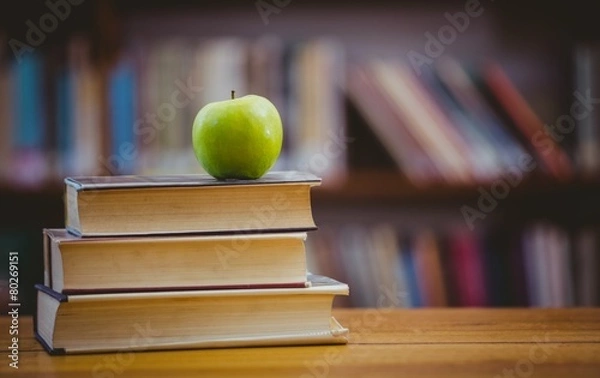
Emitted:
<point x="238" y="138"/>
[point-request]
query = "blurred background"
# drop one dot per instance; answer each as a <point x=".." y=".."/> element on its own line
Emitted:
<point x="458" y="141"/>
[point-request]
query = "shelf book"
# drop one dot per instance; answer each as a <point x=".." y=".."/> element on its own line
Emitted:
<point x="452" y="125"/>
<point x="539" y="265"/>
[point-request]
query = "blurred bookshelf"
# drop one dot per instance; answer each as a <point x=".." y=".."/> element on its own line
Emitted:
<point x="402" y="148"/>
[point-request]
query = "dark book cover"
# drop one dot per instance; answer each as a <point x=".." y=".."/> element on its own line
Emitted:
<point x="59" y="297"/>
<point x="192" y="180"/>
<point x="448" y="273"/>
<point x="286" y="285"/>
<point x="518" y="273"/>
<point x="497" y="266"/>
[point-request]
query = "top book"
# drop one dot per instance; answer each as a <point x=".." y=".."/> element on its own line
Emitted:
<point x="148" y="205"/>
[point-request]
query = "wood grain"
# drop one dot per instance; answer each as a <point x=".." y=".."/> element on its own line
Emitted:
<point x="383" y="343"/>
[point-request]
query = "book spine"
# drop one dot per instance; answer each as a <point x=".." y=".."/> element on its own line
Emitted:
<point x="64" y="119"/>
<point x="29" y="128"/>
<point x="587" y="59"/>
<point x="122" y="118"/>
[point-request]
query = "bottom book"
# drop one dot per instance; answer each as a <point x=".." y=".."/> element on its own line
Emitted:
<point x="189" y="319"/>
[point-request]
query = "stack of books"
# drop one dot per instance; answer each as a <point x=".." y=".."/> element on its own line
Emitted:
<point x="176" y="262"/>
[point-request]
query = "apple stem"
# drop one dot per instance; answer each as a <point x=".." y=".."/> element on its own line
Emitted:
<point x="232" y="95"/>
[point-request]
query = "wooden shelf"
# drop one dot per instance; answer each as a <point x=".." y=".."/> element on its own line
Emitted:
<point x="386" y="186"/>
<point x="375" y="185"/>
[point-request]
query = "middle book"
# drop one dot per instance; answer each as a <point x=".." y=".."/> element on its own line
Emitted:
<point x="75" y="265"/>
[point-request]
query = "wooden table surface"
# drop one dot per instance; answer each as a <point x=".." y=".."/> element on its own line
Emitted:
<point x="383" y="343"/>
